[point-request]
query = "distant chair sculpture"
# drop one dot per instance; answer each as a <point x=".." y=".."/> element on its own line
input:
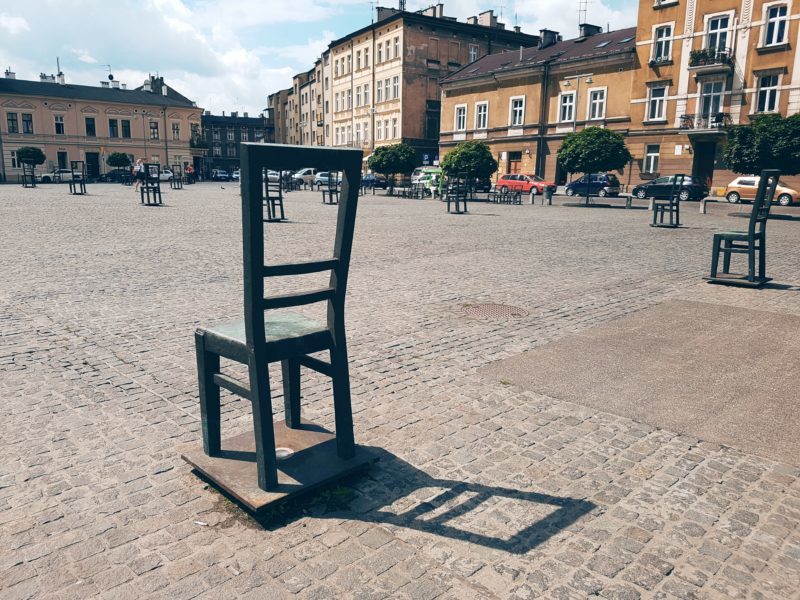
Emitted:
<point x="670" y="206"/>
<point x="456" y="192"/>
<point x="77" y="183"/>
<point x="265" y="337"/>
<point x="28" y="175"/>
<point x="750" y="242"/>
<point x="150" y="190"/>
<point x="330" y="191"/>
<point x="176" y="183"/>
<point x="273" y="199"/>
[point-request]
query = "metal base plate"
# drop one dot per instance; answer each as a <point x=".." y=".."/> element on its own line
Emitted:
<point x="313" y="464"/>
<point x="738" y="280"/>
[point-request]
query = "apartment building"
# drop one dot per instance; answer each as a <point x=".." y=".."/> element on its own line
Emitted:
<point x="523" y="103"/>
<point x="380" y="84"/>
<point x="79" y="122"/>
<point x="222" y="135"/>
<point x="703" y="66"/>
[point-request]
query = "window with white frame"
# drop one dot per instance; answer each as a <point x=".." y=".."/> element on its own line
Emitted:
<point x="386" y="89"/>
<point x="767" y="93"/>
<point x="379" y="93"/>
<point x="656" y="103"/>
<point x="245" y="135"/>
<point x="473" y="52"/>
<point x="358" y="59"/>
<point x="366" y="95"/>
<point x="396" y="86"/>
<point x="566" y="107"/>
<point x="651" y="158"/>
<point x="379" y="131"/>
<point x="481" y="115"/>
<point x="717" y="32"/>
<point x="397" y="47"/>
<point x="366" y="57"/>
<point x="388" y="50"/>
<point x="380" y="53"/>
<point x="516" y="115"/>
<point x="358" y="133"/>
<point x="662" y="44"/>
<point x="358" y="95"/>
<point x="386" y="129"/>
<point x="395" y="133"/>
<point x="349" y="98"/>
<point x="776" y="22"/>
<point x="597" y="104"/>
<point x="461" y="117"/>
<point x="59" y="123"/>
<point x="349" y="63"/>
<point x="336" y="102"/>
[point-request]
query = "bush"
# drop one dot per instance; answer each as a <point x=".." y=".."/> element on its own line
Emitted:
<point x="396" y="158"/>
<point x="769" y="142"/>
<point x="30" y="155"/>
<point x="471" y="159"/>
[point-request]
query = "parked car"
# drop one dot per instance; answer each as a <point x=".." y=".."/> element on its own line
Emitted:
<point x="374" y="180"/>
<point x="271" y="176"/>
<point x="165" y="175"/>
<point x="220" y="175"/>
<point x="306" y="175"/>
<point x="425" y="175"/>
<point x="518" y="182"/>
<point x="600" y="184"/>
<point x="744" y="188"/>
<point x="115" y="176"/>
<point x="692" y="188"/>
<point x="236" y="174"/>
<point x="482" y="184"/>
<point x="326" y="178"/>
<point x="55" y="176"/>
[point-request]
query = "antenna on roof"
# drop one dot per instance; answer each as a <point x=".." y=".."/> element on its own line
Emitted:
<point x="401" y="4"/>
<point x="583" y="9"/>
<point x="372" y="4"/>
<point x="501" y="6"/>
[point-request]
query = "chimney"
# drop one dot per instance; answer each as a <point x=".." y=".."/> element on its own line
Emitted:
<point x="146" y="86"/>
<point x="517" y="29"/>
<point x="589" y="30"/>
<point x="124" y="86"/>
<point x="60" y="78"/>
<point x="472" y="20"/>
<point x="487" y="19"/>
<point x="45" y="78"/>
<point x="245" y="115"/>
<point x="208" y="113"/>
<point x="439" y="10"/>
<point x="235" y="114"/>
<point x="115" y="84"/>
<point x="548" y="37"/>
<point x="10" y="74"/>
<point x="105" y="84"/>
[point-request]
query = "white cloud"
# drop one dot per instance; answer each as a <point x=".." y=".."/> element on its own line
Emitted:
<point x="13" y="25"/>
<point x="83" y="56"/>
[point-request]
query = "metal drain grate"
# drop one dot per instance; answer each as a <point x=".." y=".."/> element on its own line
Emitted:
<point x="493" y="311"/>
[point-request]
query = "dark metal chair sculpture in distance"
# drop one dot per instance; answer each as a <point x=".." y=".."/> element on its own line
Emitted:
<point x="176" y="183"/>
<point x="670" y="206"/>
<point x="77" y="183"/>
<point x="150" y="190"/>
<point x="265" y="337"/>
<point x="749" y="242"/>
<point x="331" y="190"/>
<point x="273" y="199"/>
<point x="28" y="176"/>
<point x="456" y="189"/>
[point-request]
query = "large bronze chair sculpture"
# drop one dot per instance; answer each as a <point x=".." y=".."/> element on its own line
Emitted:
<point x="264" y="337"/>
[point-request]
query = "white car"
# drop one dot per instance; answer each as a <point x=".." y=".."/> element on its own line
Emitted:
<point x="305" y="175"/>
<point x="165" y="175"/>
<point x="55" y="176"/>
<point x="236" y="174"/>
<point x="273" y="176"/>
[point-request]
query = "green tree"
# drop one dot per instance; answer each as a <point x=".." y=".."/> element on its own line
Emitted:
<point x="472" y="159"/>
<point x="593" y="150"/>
<point x="389" y="160"/>
<point x="118" y="160"/>
<point x="768" y="142"/>
<point x="30" y="155"/>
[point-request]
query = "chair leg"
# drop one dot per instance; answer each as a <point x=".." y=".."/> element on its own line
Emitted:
<point x="726" y="259"/>
<point x="751" y="262"/>
<point x="266" y="464"/>
<point x="345" y="442"/>
<point x="207" y="366"/>
<point x="290" y="370"/>
<point x="715" y="256"/>
<point x="762" y="257"/>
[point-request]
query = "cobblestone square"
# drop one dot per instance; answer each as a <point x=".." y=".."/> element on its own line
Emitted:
<point x="484" y="489"/>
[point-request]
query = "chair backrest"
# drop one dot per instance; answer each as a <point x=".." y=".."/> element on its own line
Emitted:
<point x="78" y="168"/>
<point x="151" y="172"/>
<point x="256" y="158"/>
<point x="763" y="201"/>
<point x="177" y="171"/>
<point x="677" y="182"/>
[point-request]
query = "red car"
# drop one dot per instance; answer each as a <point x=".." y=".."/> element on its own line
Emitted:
<point x="517" y="182"/>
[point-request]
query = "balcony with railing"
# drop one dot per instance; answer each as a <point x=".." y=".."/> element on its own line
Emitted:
<point x="711" y="60"/>
<point x="706" y="122"/>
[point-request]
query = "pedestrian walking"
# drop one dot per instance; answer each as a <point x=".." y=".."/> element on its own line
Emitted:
<point x="138" y="173"/>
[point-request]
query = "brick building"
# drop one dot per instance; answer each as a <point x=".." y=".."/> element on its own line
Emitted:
<point x="222" y="135"/>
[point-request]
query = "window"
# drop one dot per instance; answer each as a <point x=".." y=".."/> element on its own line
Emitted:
<point x="14" y="164"/>
<point x="349" y="98"/>
<point x="380" y="53"/>
<point x="336" y="68"/>
<point x="217" y="151"/>
<point x="386" y="129"/>
<point x="358" y="60"/>
<point x="27" y="123"/>
<point x="517" y="111"/>
<point x="358" y="95"/>
<point x="767" y="93"/>
<point x="662" y="48"/>
<point x="655" y="104"/>
<point x="776" y="25"/>
<point x="394" y="129"/>
<point x="481" y="115"/>
<point x="566" y="110"/>
<point x="153" y="130"/>
<point x="366" y="94"/>
<point x="349" y="63"/>
<point x="215" y="135"/>
<point x="396" y="86"/>
<point x="651" y="158"/>
<point x="473" y="52"/>
<point x="366" y="57"/>
<point x="336" y="102"/>
<point x="12" y="122"/>
<point x="231" y="151"/>
<point x="597" y="104"/>
<point x="379" y="93"/>
<point x="90" y="127"/>
<point x="59" y="123"/>
<point x="386" y="89"/>
<point x="113" y="128"/>
<point x="337" y="136"/>
<point x="126" y="128"/>
<point x="358" y="133"/>
<point x="711" y="97"/>
<point x="176" y="131"/>
<point x="388" y="50"/>
<point x="461" y="117"/>
<point x="717" y="35"/>
<point x="245" y="135"/>
<point x="231" y="135"/>
<point x="379" y="131"/>
<point x="397" y="47"/>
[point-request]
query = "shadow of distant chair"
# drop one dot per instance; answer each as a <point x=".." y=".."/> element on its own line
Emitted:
<point x="751" y="242"/>
<point x="265" y="337"/>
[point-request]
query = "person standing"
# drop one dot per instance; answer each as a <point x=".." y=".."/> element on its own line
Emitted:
<point x="138" y="173"/>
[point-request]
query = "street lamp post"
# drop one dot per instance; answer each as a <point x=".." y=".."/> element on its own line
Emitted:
<point x="568" y="83"/>
<point x="144" y="133"/>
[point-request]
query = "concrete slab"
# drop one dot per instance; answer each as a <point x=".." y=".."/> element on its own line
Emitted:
<point x="719" y="373"/>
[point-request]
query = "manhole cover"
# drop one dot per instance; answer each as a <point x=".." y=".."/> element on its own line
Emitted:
<point x="494" y="311"/>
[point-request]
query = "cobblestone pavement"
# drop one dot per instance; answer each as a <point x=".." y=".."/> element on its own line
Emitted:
<point x="484" y="491"/>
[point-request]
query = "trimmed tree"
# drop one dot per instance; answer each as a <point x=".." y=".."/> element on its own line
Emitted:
<point x="471" y="159"/>
<point x="389" y="160"/>
<point x="593" y="150"/>
<point x="768" y="142"/>
<point x="30" y="155"/>
<point x="118" y="160"/>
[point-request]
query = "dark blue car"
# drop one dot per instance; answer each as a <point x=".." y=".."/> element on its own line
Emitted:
<point x="597" y="184"/>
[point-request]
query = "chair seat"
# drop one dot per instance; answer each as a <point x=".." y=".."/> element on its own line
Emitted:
<point x="732" y="235"/>
<point x="287" y="334"/>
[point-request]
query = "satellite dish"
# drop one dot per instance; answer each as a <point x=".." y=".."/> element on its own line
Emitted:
<point x="110" y="77"/>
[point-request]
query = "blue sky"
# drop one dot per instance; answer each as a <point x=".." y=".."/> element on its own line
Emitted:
<point x="226" y="55"/>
